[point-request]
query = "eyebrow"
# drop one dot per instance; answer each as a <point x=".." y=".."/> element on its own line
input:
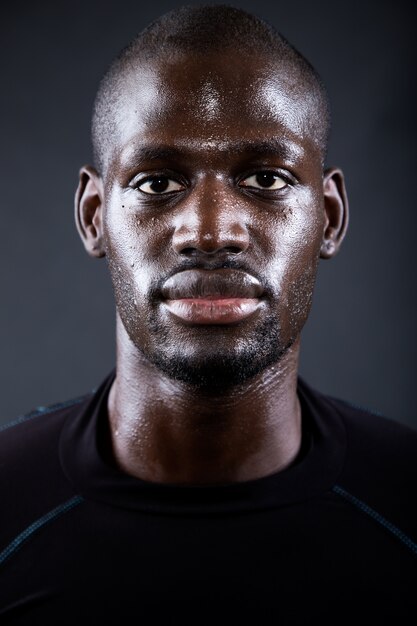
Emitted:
<point x="271" y="147"/>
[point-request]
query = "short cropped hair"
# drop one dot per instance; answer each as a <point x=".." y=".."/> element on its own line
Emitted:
<point x="198" y="31"/>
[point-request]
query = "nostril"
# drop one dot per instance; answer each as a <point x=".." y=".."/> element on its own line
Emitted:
<point x="233" y="249"/>
<point x="189" y="251"/>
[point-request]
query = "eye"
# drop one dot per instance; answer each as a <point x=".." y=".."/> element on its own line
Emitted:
<point x="264" y="180"/>
<point x="159" y="185"/>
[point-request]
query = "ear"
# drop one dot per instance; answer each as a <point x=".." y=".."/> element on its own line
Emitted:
<point x="88" y="211"/>
<point x="337" y="212"/>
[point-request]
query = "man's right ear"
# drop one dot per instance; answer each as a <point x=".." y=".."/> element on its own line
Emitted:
<point x="88" y="211"/>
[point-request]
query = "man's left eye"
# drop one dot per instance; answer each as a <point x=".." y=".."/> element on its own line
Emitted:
<point x="264" y="180"/>
<point x="159" y="184"/>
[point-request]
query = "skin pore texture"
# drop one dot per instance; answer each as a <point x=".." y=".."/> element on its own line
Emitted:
<point x="212" y="211"/>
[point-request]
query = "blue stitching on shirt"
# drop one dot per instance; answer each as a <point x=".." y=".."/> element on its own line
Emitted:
<point x="42" y="411"/>
<point x="377" y="517"/>
<point x="48" y="517"/>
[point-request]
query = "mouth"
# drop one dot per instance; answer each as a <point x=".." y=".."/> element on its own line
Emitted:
<point x="222" y="296"/>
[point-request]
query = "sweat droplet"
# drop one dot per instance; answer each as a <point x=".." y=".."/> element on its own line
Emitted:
<point x="139" y="221"/>
<point x="132" y="264"/>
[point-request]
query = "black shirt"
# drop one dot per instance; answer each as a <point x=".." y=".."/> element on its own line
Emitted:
<point x="332" y="539"/>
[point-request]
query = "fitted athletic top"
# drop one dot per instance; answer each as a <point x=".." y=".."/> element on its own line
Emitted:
<point x="331" y="539"/>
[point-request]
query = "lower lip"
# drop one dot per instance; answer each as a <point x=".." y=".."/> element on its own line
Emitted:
<point x="212" y="311"/>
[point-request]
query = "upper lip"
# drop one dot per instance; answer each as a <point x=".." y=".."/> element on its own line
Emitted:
<point x="199" y="283"/>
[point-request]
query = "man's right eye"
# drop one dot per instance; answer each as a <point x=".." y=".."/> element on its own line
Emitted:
<point x="159" y="184"/>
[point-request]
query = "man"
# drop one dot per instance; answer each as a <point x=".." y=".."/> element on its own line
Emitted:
<point x="203" y="482"/>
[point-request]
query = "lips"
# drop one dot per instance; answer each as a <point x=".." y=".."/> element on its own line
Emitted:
<point x="222" y="296"/>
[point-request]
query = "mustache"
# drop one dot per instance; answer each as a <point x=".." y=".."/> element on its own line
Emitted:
<point x="210" y="264"/>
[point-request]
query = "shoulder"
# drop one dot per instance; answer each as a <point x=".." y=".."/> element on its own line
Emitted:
<point x="368" y="432"/>
<point x="379" y="474"/>
<point x="32" y="482"/>
<point x="30" y="432"/>
<point x="383" y="443"/>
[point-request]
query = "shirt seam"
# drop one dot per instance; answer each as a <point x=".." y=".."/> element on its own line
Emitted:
<point x="26" y="534"/>
<point x="43" y="411"/>
<point x="377" y="517"/>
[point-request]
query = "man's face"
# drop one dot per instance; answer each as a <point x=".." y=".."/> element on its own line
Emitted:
<point x="213" y="214"/>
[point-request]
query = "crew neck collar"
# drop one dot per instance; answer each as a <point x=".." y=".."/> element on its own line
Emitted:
<point x="314" y="470"/>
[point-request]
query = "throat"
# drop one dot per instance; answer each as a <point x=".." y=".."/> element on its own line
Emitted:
<point x="164" y="431"/>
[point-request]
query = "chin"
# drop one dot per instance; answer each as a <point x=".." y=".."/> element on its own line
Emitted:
<point x="213" y="375"/>
<point x="219" y="365"/>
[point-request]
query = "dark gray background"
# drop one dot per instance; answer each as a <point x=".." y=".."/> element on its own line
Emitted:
<point x="56" y="315"/>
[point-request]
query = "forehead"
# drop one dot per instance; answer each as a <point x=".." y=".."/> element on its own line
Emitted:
<point x="214" y="102"/>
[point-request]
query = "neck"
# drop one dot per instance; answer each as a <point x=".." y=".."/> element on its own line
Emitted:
<point x="167" y="431"/>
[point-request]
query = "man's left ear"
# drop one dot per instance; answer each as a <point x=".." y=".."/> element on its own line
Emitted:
<point x="89" y="210"/>
<point x="336" y="211"/>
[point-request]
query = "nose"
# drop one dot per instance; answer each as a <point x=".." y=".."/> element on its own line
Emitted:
<point x="211" y="220"/>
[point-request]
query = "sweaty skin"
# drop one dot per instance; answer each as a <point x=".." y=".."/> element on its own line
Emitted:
<point x="213" y="210"/>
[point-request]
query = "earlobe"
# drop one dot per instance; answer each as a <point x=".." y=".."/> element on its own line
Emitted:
<point x="88" y="211"/>
<point x="336" y="210"/>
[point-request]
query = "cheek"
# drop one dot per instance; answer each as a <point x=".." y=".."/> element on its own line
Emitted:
<point x="297" y="237"/>
<point x="124" y="247"/>
<point x="292" y="270"/>
<point x="128" y="249"/>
